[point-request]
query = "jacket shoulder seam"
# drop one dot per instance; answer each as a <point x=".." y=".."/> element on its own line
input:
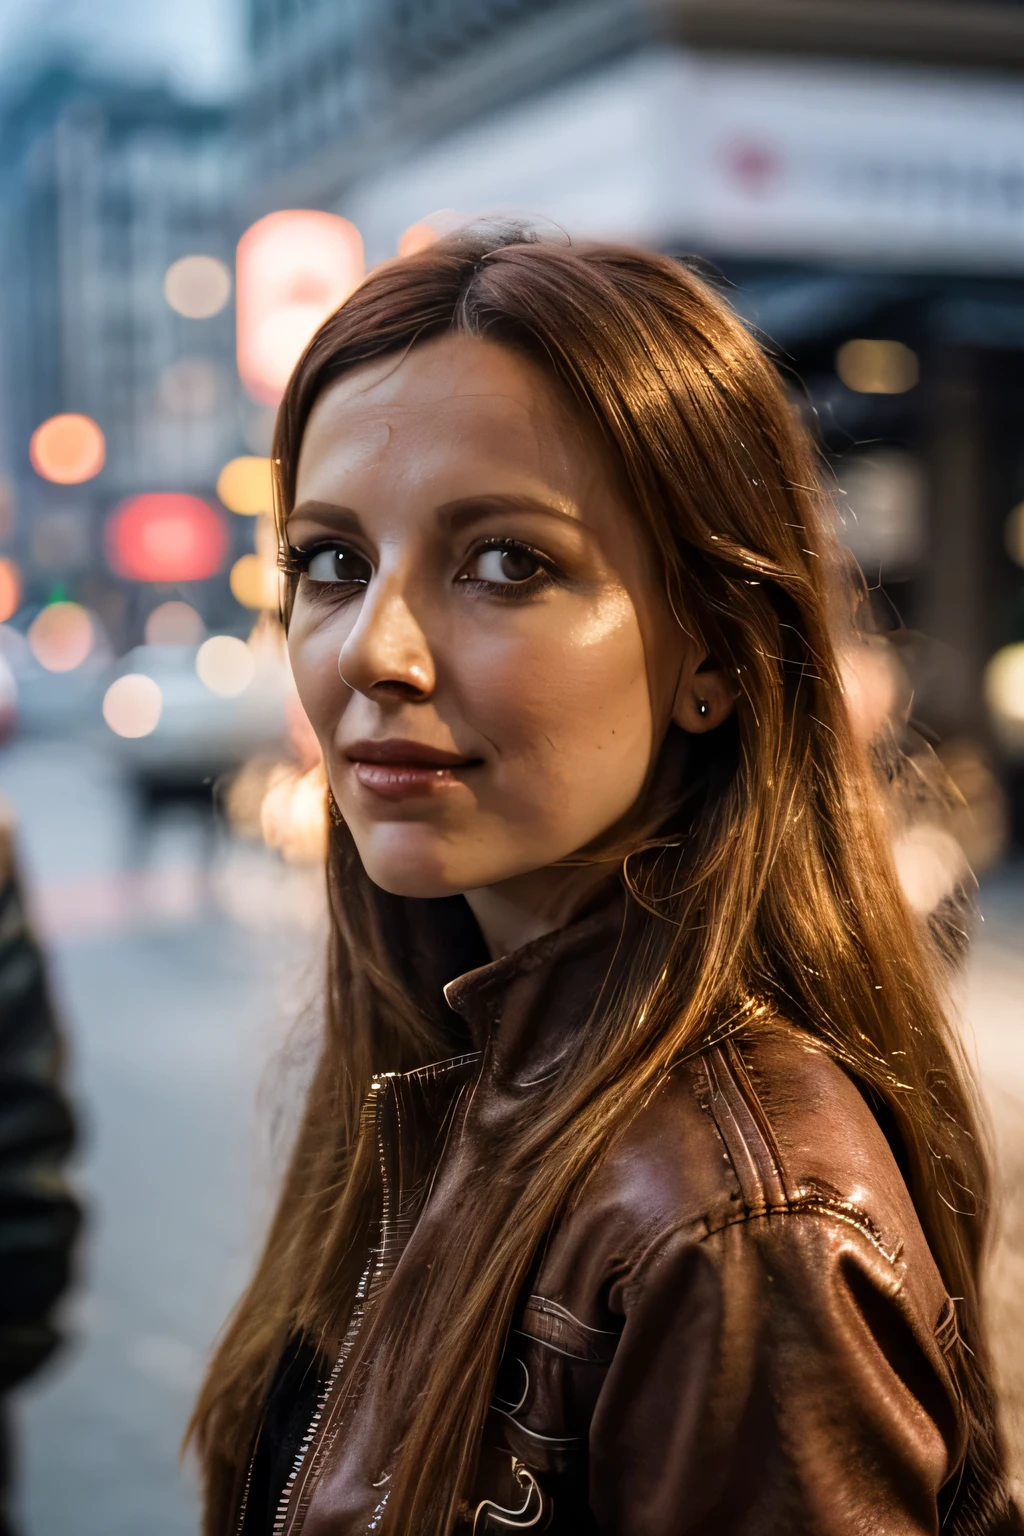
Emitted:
<point x="745" y="1129"/>
<point x="815" y="1203"/>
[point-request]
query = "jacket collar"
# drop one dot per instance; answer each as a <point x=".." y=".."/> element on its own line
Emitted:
<point x="524" y="1009"/>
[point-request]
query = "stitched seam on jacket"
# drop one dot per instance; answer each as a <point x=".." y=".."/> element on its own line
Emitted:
<point x="745" y="1129"/>
<point x="770" y="1155"/>
<point x="592" y="1345"/>
<point x="762" y="1152"/>
<point x="816" y="1205"/>
<point x="565" y="1354"/>
<point x="723" y="1113"/>
<point x="544" y="1304"/>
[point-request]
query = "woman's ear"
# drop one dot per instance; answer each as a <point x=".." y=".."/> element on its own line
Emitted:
<point x="705" y="696"/>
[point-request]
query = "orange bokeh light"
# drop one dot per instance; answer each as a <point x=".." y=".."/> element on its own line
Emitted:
<point x="164" y="536"/>
<point x="418" y="237"/>
<point x="294" y="268"/>
<point x="61" y="636"/>
<point x="428" y="230"/>
<point x="67" y="449"/>
<point x="10" y="590"/>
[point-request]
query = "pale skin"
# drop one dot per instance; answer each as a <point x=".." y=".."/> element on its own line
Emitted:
<point x="480" y="637"/>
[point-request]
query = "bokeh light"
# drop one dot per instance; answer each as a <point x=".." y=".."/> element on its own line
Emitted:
<point x="293" y="814"/>
<point x="883" y="509"/>
<point x="226" y="665"/>
<point x="254" y="583"/>
<point x="132" y="705"/>
<point x="174" y="623"/>
<point x="67" y="449"/>
<point x="294" y="268"/>
<point x="418" y="237"/>
<point x="979" y="816"/>
<point x="1004" y="684"/>
<point x="244" y="485"/>
<point x="871" y="677"/>
<point x="929" y="863"/>
<point x="1013" y="534"/>
<point x="423" y="234"/>
<point x="61" y="636"/>
<point x="166" y="536"/>
<point x="10" y="590"/>
<point x="877" y="367"/>
<point x="197" y="286"/>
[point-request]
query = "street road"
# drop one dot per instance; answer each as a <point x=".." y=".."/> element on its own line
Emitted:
<point x="180" y="984"/>
<point x="182" y="974"/>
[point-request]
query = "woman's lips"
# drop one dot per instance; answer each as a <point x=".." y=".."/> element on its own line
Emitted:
<point x="394" y="781"/>
<point x="397" y="770"/>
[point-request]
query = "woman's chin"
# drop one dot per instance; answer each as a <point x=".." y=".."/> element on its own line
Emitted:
<point x="413" y="883"/>
<point x="417" y="865"/>
<point x="411" y="859"/>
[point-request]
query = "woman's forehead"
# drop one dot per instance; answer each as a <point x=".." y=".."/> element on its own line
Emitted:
<point x="454" y="398"/>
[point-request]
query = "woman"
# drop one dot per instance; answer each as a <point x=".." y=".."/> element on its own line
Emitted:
<point x="639" y="1188"/>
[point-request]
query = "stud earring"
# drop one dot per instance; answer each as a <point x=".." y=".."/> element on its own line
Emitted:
<point x="703" y="708"/>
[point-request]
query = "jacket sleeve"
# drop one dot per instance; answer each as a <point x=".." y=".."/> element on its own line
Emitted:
<point x="772" y="1378"/>
<point x="38" y="1216"/>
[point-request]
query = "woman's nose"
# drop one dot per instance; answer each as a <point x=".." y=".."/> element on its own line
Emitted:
<point x="386" y="651"/>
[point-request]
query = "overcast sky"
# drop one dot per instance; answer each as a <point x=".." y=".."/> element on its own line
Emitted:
<point x="196" y="45"/>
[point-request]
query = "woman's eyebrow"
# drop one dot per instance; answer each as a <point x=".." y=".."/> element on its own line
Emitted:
<point x="472" y="509"/>
<point x="342" y="518"/>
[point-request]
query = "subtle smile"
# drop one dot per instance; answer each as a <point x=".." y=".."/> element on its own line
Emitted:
<point x="396" y="769"/>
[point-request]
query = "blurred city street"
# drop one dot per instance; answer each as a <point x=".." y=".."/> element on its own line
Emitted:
<point x="174" y="1008"/>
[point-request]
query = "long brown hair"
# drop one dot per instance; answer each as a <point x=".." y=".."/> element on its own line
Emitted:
<point x="774" y="881"/>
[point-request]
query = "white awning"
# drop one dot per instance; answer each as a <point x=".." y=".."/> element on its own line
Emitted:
<point x="912" y="169"/>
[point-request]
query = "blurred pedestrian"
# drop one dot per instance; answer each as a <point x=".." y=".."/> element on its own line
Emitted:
<point x="39" y="1217"/>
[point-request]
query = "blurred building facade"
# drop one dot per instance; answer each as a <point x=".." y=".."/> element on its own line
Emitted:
<point x="103" y="185"/>
<point x="340" y="91"/>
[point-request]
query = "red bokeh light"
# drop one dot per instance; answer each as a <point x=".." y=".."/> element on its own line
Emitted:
<point x="166" y="537"/>
<point x="294" y="268"/>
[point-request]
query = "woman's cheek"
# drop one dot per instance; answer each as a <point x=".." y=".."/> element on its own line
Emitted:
<point x="570" y="709"/>
<point x="313" y="652"/>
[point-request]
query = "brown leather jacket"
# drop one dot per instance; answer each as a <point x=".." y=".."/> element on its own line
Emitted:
<point x="738" y="1329"/>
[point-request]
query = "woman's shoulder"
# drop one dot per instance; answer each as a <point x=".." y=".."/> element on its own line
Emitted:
<point x="763" y="1124"/>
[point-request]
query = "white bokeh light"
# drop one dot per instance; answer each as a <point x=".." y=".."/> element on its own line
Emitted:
<point x="226" y="665"/>
<point x="132" y="705"/>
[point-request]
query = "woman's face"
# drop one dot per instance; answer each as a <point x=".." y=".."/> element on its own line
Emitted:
<point x="479" y="635"/>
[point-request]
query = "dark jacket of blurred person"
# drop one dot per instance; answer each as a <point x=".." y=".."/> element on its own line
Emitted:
<point x="39" y="1218"/>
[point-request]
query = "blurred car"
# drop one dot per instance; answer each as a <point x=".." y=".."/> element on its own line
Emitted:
<point x="198" y="734"/>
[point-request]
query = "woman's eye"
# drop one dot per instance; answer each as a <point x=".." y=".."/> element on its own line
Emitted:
<point x="504" y="565"/>
<point x="339" y="565"/>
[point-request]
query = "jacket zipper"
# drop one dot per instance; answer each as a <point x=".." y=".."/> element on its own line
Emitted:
<point x="243" y="1507"/>
<point x="368" y="1287"/>
<point x="370" y="1284"/>
<point x="355" y="1322"/>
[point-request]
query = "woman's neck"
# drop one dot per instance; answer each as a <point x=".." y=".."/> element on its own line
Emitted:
<point x="516" y="911"/>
